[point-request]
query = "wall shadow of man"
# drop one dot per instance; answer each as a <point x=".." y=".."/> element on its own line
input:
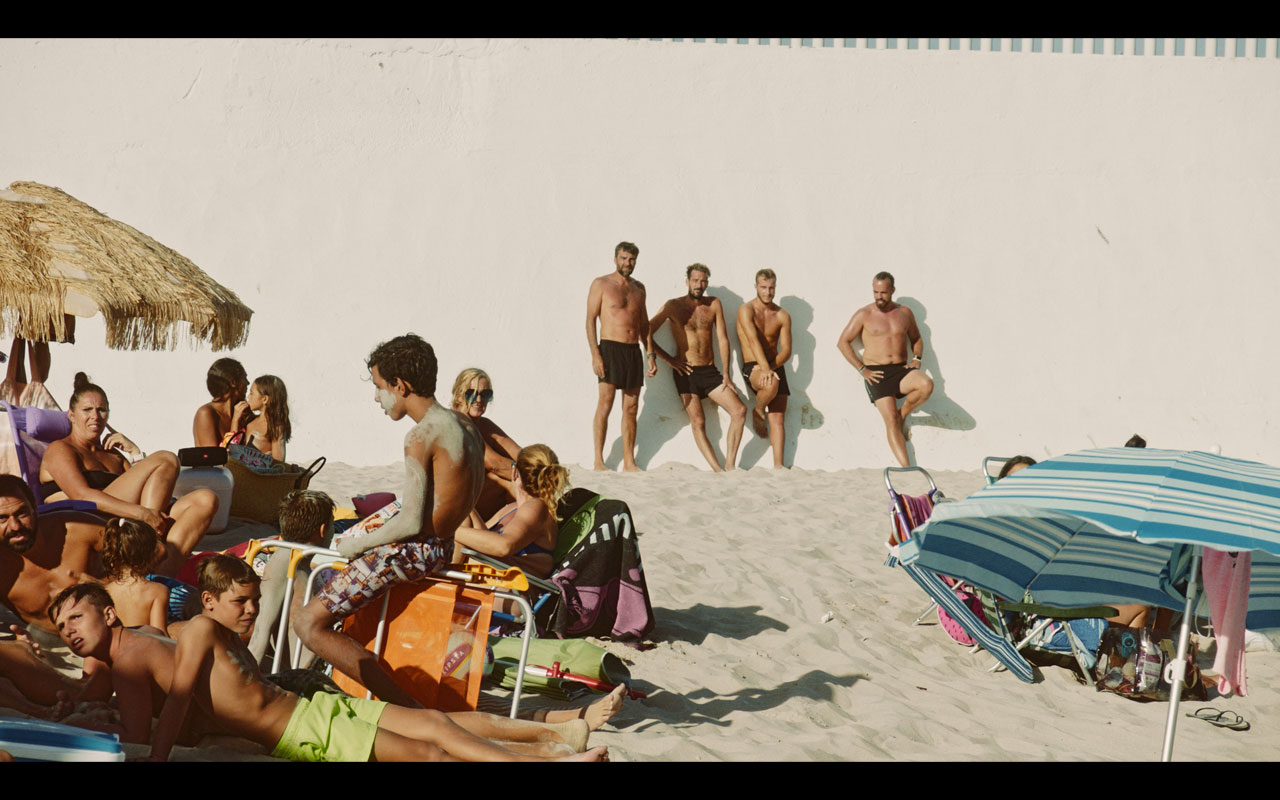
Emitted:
<point x="939" y="411"/>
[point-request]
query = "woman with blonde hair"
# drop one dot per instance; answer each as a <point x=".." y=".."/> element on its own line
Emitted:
<point x="472" y="393"/>
<point x="523" y="532"/>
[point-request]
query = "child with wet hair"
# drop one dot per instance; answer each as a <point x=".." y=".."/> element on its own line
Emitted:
<point x="130" y="550"/>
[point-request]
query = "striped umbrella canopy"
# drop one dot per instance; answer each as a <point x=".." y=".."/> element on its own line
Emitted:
<point x="1111" y="524"/>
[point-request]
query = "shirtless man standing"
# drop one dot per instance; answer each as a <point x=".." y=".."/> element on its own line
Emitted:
<point x="693" y="318"/>
<point x="617" y="300"/>
<point x="887" y="329"/>
<point x="444" y="472"/>
<point x="764" y="333"/>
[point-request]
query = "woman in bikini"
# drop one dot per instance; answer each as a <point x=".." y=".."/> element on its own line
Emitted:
<point x="523" y="532"/>
<point x="472" y="393"/>
<point x="217" y="420"/>
<point x="85" y="466"/>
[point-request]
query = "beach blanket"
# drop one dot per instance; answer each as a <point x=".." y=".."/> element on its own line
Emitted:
<point x="599" y="573"/>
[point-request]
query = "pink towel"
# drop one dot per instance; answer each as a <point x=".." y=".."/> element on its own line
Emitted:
<point x="1226" y="582"/>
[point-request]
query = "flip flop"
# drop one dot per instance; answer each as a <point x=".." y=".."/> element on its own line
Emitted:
<point x="1221" y="719"/>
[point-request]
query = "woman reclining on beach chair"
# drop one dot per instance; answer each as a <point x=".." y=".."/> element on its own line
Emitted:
<point x="524" y="532"/>
<point x="84" y="466"/>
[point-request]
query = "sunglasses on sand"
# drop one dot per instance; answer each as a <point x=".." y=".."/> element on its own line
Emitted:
<point x="485" y="396"/>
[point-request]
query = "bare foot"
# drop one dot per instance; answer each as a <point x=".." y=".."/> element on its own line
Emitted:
<point x="759" y="424"/>
<point x="594" y="754"/>
<point x="604" y="709"/>
<point x="631" y="468"/>
<point x="600" y="467"/>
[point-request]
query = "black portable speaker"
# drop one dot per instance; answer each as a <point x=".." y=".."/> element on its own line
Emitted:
<point x="202" y="456"/>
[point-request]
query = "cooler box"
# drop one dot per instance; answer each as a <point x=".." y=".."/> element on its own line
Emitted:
<point x="217" y="480"/>
<point x="37" y="740"/>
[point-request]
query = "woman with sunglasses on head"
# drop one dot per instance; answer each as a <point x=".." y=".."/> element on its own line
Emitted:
<point x="472" y="393"/>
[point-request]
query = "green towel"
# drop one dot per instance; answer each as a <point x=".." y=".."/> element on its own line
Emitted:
<point x="575" y="655"/>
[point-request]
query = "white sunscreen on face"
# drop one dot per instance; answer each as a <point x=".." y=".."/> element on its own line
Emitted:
<point x="385" y="399"/>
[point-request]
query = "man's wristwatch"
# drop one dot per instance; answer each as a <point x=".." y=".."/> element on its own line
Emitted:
<point x="917" y="358"/>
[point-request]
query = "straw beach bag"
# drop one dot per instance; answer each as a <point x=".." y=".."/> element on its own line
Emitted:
<point x="257" y="495"/>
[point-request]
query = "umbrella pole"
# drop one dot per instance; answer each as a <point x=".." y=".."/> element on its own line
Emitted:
<point x="1176" y="672"/>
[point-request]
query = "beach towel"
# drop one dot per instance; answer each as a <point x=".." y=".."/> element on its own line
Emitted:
<point x="1226" y="582"/>
<point x="599" y="573"/>
<point x="914" y="511"/>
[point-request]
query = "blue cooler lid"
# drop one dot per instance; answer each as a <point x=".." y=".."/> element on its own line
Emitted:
<point x="36" y="737"/>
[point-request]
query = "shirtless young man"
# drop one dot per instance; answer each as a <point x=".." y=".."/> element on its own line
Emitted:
<point x="887" y="330"/>
<point x="617" y="300"/>
<point x="764" y="333"/>
<point x="207" y="682"/>
<point x="694" y="317"/>
<point x="444" y="473"/>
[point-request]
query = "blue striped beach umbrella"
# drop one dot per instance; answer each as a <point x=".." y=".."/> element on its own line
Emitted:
<point x="1119" y="525"/>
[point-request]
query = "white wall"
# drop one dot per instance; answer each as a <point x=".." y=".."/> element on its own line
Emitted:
<point x="350" y="191"/>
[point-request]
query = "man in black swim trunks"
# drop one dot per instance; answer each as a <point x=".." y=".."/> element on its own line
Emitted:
<point x="764" y="333"/>
<point x="693" y="318"/>
<point x="887" y="330"/>
<point x="617" y="300"/>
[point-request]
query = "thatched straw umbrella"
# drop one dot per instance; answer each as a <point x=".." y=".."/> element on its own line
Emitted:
<point x="59" y="256"/>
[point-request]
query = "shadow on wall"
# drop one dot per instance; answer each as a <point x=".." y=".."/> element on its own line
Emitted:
<point x="939" y="411"/>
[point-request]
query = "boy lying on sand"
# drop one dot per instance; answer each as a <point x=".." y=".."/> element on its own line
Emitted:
<point x="209" y="681"/>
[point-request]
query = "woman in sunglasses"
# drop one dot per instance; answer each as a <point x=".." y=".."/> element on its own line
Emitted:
<point x="472" y="393"/>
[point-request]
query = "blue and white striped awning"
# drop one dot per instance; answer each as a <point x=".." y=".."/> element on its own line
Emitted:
<point x="1109" y="525"/>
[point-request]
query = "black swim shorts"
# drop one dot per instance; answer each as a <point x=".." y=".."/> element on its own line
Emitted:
<point x="890" y="384"/>
<point x="783" y="388"/>
<point x="623" y="364"/>
<point x="702" y="381"/>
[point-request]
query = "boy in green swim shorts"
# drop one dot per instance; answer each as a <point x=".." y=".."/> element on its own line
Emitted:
<point x="214" y="671"/>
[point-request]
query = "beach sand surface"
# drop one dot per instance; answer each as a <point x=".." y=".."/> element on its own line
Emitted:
<point x="782" y="636"/>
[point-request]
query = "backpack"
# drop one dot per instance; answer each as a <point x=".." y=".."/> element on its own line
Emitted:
<point x="598" y="571"/>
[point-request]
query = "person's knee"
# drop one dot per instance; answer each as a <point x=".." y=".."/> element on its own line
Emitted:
<point x="164" y="460"/>
<point x="630" y="404"/>
<point x="738" y="412"/>
<point x="202" y="503"/>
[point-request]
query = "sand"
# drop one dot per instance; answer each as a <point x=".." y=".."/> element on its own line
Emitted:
<point x="781" y="636"/>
